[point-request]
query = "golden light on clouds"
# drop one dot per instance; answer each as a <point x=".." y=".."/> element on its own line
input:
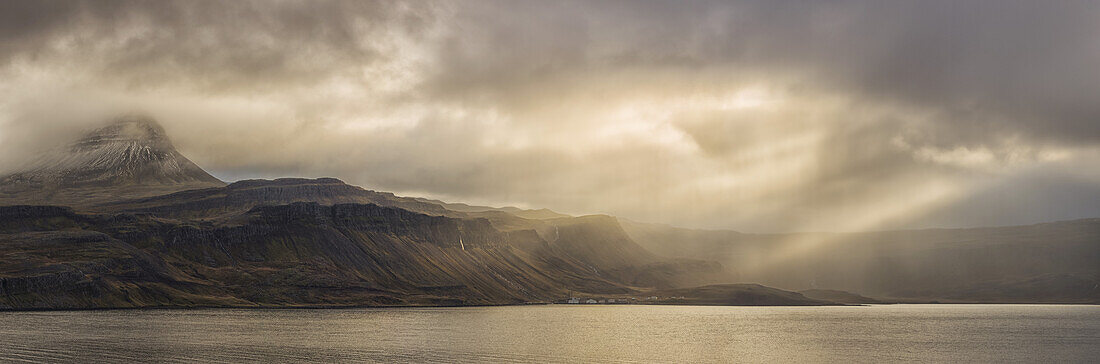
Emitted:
<point x="751" y="116"/>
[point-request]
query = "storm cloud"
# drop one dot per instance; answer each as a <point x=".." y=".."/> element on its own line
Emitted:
<point x="756" y="116"/>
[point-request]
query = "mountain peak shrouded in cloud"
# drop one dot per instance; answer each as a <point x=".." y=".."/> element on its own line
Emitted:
<point x="748" y="115"/>
<point x="131" y="149"/>
<point x="131" y="156"/>
<point x="128" y="128"/>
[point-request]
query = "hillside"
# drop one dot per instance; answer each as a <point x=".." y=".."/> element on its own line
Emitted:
<point x="299" y="254"/>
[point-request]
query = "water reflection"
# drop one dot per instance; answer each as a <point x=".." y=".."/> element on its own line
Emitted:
<point x="982" y="333"/>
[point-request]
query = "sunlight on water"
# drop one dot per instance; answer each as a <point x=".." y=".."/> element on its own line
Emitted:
<point x="974" y="333"/>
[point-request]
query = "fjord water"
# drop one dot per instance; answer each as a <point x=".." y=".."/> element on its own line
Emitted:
<point x="560" y="333"/>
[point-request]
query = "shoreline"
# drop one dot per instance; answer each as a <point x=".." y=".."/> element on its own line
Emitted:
<point x="342" y="307"/>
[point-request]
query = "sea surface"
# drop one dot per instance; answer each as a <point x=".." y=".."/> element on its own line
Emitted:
<point x="560" y="333"/>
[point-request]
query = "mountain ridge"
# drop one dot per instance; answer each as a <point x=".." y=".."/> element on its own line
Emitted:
<point x="302" y="253"/>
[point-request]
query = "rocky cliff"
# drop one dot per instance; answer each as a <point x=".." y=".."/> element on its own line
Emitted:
<point x="306" y="254"/>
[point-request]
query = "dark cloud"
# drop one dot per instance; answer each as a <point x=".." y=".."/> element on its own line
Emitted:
<point x="1029" y="65"/>
<point x="212" y="46"/>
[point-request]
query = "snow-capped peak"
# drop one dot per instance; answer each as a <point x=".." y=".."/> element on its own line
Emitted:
<point x="131" y="149"/>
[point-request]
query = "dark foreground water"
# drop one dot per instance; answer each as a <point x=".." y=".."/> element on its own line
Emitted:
<point x="559" y="333"/>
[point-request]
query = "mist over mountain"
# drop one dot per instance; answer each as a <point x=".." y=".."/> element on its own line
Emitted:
<point x="1049" y="262"/>
<point x="130" y="157"/>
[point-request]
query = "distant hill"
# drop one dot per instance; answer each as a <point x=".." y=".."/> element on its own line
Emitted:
<point x="734" y="295"/>
<point x="1050" y="262"/>
<point x="838" y="296"/>
<point x="515" y="211"/>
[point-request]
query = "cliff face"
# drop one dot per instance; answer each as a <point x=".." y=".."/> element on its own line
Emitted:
<point x="286" y="255"/>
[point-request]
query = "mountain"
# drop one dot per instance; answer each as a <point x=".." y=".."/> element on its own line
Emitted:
<point x="304" y="254"/>
<point x="288" y="255"/>
<point x="1056" y="262"/>
<point x="596" y="241"/>
<point x="130" y="157"/>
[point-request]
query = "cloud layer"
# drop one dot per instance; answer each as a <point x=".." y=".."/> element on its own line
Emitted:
<point x="758" y="116"/>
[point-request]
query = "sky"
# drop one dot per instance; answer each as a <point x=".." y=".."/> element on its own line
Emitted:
<point x="758" y="116"/>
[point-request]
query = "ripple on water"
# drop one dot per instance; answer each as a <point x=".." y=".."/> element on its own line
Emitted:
<point x="559" y="333"/>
